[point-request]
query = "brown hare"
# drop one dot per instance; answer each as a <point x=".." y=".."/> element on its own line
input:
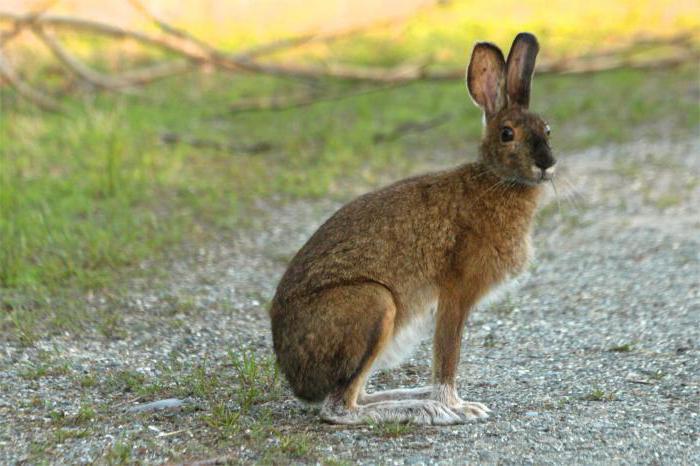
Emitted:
<point x="416" y="256"/>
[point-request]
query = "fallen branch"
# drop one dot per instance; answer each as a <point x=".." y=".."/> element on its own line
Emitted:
<point x="155" y="72"/>
<point x="413" y="127"/>
<point x="172" y="139"/>
<point x="28" y="18"/>
<point x="278" y="104"/>
<point x="129" y="78"/>
<point x="95" y="27"/>
<point x="200" y="52"/>
<point x="77" y="67"/>
<point x="196" y="52"/>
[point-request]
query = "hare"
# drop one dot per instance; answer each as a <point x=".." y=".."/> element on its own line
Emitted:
<point x="415" y="256"/>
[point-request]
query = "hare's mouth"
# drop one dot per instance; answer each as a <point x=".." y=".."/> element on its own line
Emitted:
<point x="541" y="175"/>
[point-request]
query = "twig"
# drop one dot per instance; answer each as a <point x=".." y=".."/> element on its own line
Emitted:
<point x="174" y="138"/>
<point x="96" y="27"/>
<point x="207" y="54"/>
<point x="413" y="127"/>
<point x="76" y="66"/>
<point x="640" y="381"/>
<point x="129" y="78"/>
<point x="170" y="434"/>
<point x="29" y="18"/>
<point x="194" y="51"/>
<point x="175" y="32"/>
<point x="152" y="73"/>
<point x="608" y="64"/>
<point x="277" y="104"/>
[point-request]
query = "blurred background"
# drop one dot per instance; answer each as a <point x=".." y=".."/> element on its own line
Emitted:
<point x="128" y="126"/>
<point x="161" y="161"/>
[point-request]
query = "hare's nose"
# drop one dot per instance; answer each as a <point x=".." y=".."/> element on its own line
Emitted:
<point x="545" y="163"/>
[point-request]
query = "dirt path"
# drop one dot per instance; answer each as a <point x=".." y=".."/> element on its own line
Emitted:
<point x="594" y="358"/>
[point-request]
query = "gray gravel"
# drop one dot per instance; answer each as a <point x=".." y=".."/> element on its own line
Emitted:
<point x="594" y="358"/>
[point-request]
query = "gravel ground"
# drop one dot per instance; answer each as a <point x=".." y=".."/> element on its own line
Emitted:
<point x="592" y="359"/>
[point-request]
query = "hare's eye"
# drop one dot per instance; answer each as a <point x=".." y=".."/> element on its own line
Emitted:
<point x="547" y="130"/>
<point x="507" y="134"/>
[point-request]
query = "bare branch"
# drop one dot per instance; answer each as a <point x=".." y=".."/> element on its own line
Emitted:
<point x="278" y="104"/>
<point x="413" y="127"/>
<point x="76" y="66"/>
<point x="29" y="18"/>
<point x="172" y="139"/>
<point x="95" y="27"/>
<point x="155" y="72"/>
<point x="173" y="31"/>
<point x="194" y="51"/>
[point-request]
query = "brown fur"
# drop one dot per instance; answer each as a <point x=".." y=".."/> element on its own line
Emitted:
<point x="455" y="234"/>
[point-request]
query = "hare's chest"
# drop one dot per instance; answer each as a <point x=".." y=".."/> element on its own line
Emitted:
<point x="521" y="256"/>
<point x="498" y="260"/>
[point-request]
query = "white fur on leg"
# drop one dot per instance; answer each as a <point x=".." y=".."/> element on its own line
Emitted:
<point x="418" y="328"/>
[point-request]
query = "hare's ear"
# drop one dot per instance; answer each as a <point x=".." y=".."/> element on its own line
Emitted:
<point x="486" y="78"/>
<point x="520" y="67"/>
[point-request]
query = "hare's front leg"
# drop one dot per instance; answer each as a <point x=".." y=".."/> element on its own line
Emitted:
<point x="453" y="309"/>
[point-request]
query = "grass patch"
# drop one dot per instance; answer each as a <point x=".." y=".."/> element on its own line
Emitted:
<point x="224" y="419"/>
<point x="654" y="375"/>
<point x="41" y="370"/>
<point x="84" y="415"/>
<point x="118" y="454"/>
<point x="624" y="348"/>
<point x="291" y="446"/>
<point x="392" y="429"/>
<point x="64" y="435"/>
<point x="258" y="379"/>
<point x="598" y="395"/>
<point x="127" y="381"/>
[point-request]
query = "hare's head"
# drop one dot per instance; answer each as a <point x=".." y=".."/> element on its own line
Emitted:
<point x="515" y="145"/>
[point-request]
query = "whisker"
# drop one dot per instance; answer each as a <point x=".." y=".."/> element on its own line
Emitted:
<point x="573" y="196"/>
<point x="556" y="195"/>
<point x="487" y="191"/>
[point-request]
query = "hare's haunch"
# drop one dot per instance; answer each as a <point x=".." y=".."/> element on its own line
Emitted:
<point x="415" y="256"/>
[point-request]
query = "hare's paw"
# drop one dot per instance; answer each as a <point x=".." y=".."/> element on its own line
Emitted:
<point x="471" y="409"/>
<point x="422" y="412"/>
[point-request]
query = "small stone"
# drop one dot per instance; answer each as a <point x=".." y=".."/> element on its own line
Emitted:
<point x="169" y="403"/>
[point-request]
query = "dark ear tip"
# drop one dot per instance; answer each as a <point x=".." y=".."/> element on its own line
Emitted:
<point x="528" y="38"/>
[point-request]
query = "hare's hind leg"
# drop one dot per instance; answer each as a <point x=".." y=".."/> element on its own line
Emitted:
<point x="342" y="407"/>
<point x="418" y="393"/>
<point x="426" y="412"/>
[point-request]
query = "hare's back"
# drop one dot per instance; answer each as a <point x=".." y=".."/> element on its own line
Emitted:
<point x="384" y="236"/>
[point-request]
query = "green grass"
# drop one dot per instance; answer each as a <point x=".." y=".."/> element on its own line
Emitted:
<point x="624" y="348"/>
<point x="89" y="195"/>
<point x="599" y="395"/>
<point x="258" y="379"/>
<point x="392" y="429"/>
